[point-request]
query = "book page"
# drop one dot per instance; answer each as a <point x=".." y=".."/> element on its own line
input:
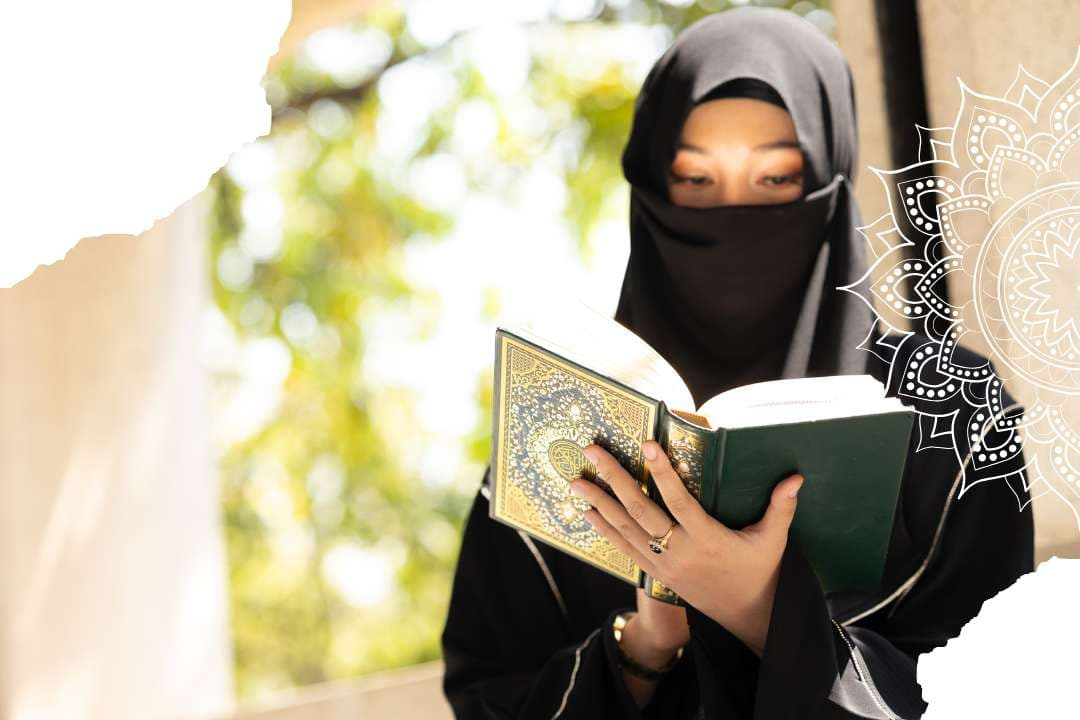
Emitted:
<point x="798" y="400"/>
<point x="589" y="338"/>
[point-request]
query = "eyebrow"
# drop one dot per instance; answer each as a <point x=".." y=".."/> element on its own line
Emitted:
<point x="776" y="145"/>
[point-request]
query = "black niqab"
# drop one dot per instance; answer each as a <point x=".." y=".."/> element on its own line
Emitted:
<point x="738" y="294"/>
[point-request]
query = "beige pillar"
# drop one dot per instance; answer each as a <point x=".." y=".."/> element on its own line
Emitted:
<point x="113" y="603"/>
<point x="856" y="34"/>
<point x="983" y="42"/>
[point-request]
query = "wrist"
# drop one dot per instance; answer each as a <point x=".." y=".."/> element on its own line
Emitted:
<point x="644" y="646"/>
<point x="750" y="626"/>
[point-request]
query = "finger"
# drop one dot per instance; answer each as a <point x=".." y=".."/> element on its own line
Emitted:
<point x="613" y="512"/>
<point x="644" y="511"/>
<point x="781" y="511"/>
<point x="616" y="538"/>
<point x="680" y="503"/>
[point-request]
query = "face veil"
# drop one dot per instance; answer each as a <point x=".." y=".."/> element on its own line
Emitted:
<point x="737" y="294"/>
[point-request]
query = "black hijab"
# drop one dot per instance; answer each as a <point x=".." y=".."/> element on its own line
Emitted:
<point x="737" y="294"/>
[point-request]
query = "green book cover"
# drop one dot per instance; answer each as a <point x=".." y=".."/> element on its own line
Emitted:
<point x="853" y="468"/>
<point x="841" y="434"/>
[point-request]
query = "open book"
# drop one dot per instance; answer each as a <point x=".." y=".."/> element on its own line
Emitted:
<point x="571" y="377"/>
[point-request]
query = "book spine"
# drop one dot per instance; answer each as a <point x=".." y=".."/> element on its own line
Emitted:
<point x="713" y="472"/>
<point x="497" y="409"/>
<point x="688" y="447"/>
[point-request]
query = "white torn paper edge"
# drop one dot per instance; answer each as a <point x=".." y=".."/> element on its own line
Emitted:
<point x="1016" y="657"/>
<point x="119" y="111"/>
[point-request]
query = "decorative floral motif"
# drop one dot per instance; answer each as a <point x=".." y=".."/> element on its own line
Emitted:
<point x="995" y="198"/>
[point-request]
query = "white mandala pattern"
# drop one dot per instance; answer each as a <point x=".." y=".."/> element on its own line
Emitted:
<point x="995" y="198"/>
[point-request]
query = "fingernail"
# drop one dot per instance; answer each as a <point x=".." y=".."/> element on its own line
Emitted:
<point x="576" y="489"/>
<point x="589" y="452"/>
<point x="795" y="491"/>
<point x="649" y="449"/>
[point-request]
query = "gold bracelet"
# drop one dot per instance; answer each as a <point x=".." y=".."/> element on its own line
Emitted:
<point x="631" y="665"/>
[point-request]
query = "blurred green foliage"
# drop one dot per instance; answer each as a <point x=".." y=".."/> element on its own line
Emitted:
<point x="318" y="488"/>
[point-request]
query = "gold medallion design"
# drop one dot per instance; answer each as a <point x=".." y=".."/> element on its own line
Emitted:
<point x="568" y="460"/>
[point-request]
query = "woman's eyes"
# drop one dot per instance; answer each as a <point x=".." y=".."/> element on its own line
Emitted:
<point x="690" y="179"/>
<point x="773" y="181"/>
<point x="781" y="180"/>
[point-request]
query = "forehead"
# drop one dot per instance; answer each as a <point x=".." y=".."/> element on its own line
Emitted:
<point x="738" y="119"/>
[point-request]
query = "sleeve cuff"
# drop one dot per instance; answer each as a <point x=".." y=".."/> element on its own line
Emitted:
<point x="802" y="649"/>
<point x="800" y="662"/>
<point x="727" y="669"/>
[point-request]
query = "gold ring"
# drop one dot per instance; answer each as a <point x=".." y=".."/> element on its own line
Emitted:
<point x="659" y="544"/>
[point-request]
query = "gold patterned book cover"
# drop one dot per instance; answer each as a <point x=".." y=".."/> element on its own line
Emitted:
<point x="571" y="378"/>
<point x="547" y="409"/>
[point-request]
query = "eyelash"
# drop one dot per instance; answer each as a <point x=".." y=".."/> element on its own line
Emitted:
<point x="792" y="178"/>
<point x="699" y="180"/>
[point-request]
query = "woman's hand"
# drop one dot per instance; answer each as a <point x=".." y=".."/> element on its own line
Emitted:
<point x="729" y="575"/>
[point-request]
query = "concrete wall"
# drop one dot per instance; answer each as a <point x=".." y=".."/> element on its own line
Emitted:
<point x="981" y="42"/>
<point x="857" y="36"/>
<point x="856" y="33"/>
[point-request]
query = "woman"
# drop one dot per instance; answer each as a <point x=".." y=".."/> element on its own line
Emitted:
<point x="742" y="224"/>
